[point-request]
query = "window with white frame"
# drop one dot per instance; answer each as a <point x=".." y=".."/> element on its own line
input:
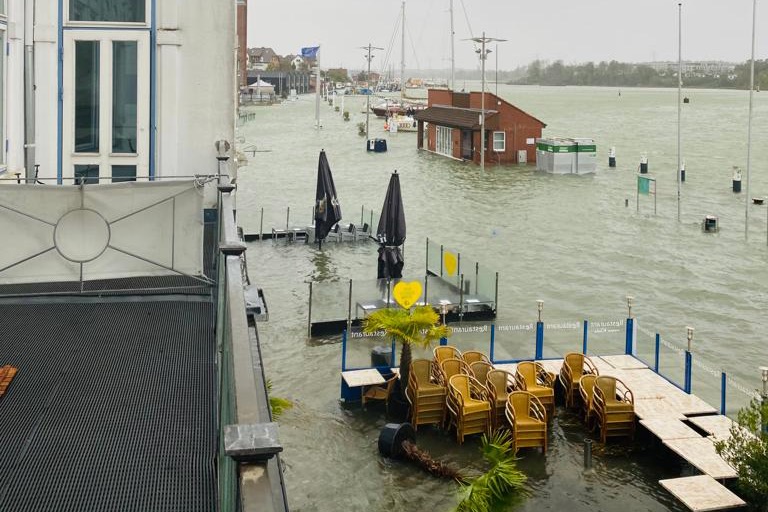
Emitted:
<point x="499" y="142"/>
<point x="444" y="141"/>
<point x="113" y="11"/>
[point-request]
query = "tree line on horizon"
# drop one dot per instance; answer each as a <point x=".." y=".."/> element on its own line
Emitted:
<point x="624" y="74"/>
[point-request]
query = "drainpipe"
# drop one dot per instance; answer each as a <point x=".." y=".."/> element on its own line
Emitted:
<point x="29" y="91"/>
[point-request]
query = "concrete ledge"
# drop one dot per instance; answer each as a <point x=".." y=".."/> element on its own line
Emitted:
<point x="251" y="443"/>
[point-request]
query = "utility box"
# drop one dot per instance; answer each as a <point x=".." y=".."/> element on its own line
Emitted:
<point x="522" y="156"/>
<point x="566" y="155"/>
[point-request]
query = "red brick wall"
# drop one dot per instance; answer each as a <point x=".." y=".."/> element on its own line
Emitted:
<point x="516" y="124"/>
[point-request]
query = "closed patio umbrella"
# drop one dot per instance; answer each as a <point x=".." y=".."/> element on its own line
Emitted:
<point x="391" y="232"/>
<point x="327" y="208"/>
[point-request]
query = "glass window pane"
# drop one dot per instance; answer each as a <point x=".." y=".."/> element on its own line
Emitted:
<point x="112" y="10"/>
<point x="2" y="95"/>
<point x="87" y="174"/>
<point x="123" y="173"/>
<point x="86" y="96"/>
<point x="124" y="86"/>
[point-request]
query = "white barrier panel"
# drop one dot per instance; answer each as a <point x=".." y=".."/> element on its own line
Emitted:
<point x="68" y="233"/>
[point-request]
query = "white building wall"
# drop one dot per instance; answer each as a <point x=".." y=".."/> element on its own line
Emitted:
<point x="196" y="90"/>
<point x="196" y="84"/>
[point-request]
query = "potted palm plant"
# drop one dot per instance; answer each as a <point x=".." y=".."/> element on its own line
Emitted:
<point x="419" y="325"/>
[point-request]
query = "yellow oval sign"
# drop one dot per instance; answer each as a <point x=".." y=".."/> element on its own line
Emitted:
<point x="407" y="294"/>
<point x="450" y="263"/>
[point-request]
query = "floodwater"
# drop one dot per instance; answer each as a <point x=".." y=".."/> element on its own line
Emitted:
<point x="576" y="242"/>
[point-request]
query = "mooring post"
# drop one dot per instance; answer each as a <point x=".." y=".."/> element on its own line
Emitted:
<point x="723" y="381"/>
<point x="587" y="453"/>
<point x="629" y="346"/>
<point x="539" y="352"/>
<point x="656" y="356"/>
<point x="585" y="337"/>
<point x="349" y="307"/>
<point x="261" y="225"/>
<point x="309" y="312"/>
<point x="344" y="350"/>
<point x="688" y="362"/>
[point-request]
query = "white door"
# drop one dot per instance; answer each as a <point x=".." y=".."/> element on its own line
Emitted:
<point x="105" y="105"/>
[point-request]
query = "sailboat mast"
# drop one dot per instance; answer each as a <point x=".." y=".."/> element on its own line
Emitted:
<point x="402" y="54"/>
<point x="679" y="97"/>
<point x="453" y="65"/>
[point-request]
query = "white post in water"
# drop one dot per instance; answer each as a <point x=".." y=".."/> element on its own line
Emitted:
<point x="749" y="123"/>
<point x="317" y="89"/>
<point x="679" y="95"/>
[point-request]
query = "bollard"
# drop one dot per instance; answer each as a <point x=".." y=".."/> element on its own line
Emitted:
<point x="587" y="453"/>
<point x="736" y="180"/>
<point x="612" y="157"/>
<point x="643" y="164"/>
<point x="682" y="172"/>
<point x="626" y="203"/>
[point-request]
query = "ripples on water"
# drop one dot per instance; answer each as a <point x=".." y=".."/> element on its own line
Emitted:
<point x="568" y="240"/>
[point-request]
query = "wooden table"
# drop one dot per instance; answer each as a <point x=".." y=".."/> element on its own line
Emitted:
<point x="702" y="493"/>
<point x="701" y="453"/>
<point x="359" y="378"/>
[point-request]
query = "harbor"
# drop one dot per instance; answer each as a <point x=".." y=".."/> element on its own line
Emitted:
<point x="567" y="240"/>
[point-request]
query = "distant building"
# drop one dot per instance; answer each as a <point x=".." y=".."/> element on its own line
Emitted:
<point x="261" y="58"/>
<point x="454" y="126"/>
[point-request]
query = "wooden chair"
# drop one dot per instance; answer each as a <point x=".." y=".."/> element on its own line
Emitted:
<point x="528" y="420"/>
<point x="450" y="367"/>
<point x="468" y="406"/>
<point x="380" y="391"/>
<point x="614" y="408"/>
<point x="472" y="356"/>
<point x="574" y="366"/>
<point x="532" y="377"/>
<point x="499" y="384"/>
<point x="440" y="354"/>
<point x="479" y="371"/>
<point x="7" y="373"/>
<point x="427" y="398"/>
<point x="586" y="391"/>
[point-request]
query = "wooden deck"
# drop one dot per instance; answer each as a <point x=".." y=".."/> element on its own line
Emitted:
<point x="702" y="493"/>
<point x="666" y="412"/>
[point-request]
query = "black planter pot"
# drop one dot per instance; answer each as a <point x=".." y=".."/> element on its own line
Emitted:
<point x="391" y="438"/>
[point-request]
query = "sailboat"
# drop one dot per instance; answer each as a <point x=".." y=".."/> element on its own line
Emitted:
<point x="403" y="118"/>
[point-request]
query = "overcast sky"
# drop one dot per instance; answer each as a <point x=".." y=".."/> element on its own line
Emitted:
<point x="569" y="30"/>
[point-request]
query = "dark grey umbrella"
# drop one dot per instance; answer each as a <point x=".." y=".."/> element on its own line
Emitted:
<point x="327" y="209"/>
<point x="391" y="232"/>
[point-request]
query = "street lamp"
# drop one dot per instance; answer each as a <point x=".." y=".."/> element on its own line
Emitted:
<point x="368" y="79"/>
<point x="483" y="55"/>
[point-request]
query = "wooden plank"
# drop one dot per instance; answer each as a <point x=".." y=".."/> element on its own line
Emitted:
<point x="701" y="453"/>
<point x="648" y="408"/>
<point x="702" y="493"/>
<point x="716" y="425"/>
<point x="664" y="428"/>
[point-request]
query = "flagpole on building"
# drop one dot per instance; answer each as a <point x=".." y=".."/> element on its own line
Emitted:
<point x="317" y="89"/>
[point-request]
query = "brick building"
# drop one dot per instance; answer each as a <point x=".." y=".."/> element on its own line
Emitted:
<point x="454" y="124"/>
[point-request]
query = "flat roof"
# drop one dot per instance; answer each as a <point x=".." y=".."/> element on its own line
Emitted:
<point x="113" y="406"/>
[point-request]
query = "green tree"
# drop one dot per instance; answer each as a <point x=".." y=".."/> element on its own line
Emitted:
<point x="501" y="484"/>
<point x="747" y="451"/>
<point x="418" y="326"/>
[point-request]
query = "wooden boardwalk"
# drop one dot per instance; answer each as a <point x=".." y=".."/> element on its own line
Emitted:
<point x="671" y="414"/>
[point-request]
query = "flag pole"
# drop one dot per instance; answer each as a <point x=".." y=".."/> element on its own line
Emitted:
<point x="317" y="90"/>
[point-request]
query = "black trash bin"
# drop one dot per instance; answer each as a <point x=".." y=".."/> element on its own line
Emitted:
<point x="381" y="356"/>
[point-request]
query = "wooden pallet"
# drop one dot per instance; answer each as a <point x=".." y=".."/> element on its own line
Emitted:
<point x="7" y="373"/>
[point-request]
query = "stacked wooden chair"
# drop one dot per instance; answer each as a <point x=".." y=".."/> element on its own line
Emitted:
<point x="468" y="406"/>
<point x="614" y="408"/>
<point x="7" y="373"/>
<point x="479" y="371"/>
<point x="427" y="398"/>
<point x="472" y="356"/>
<point x="499" y="383"/>
<point x="440" y="354"/>
<point x="450" y="367"/>
<point x="574" y="366"/>
<point x="528" y="420"/>
<point x="586" y="391"/>
<point x="532" y="377"/>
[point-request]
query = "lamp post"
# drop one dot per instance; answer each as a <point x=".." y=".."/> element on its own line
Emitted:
<point x="368" y="57"/>
<point x="483" y="40"/>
